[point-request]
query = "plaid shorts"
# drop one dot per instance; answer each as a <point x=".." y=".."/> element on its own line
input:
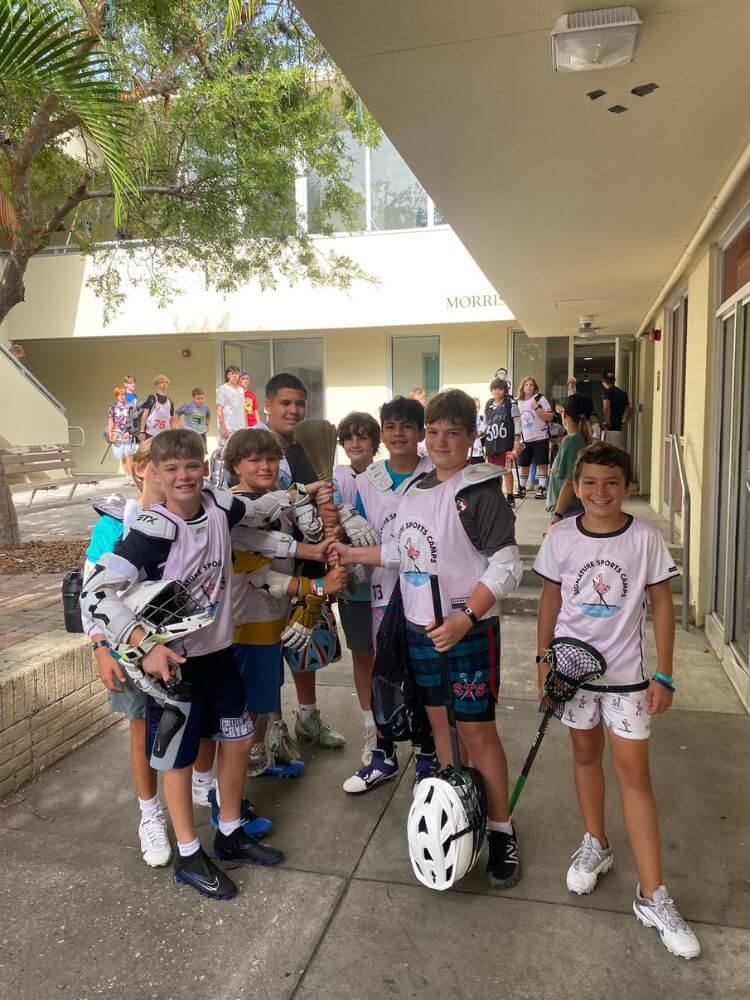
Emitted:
<point x="474" y="666"/>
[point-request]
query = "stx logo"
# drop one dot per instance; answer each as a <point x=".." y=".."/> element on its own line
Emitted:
<point x="148" y="518"/>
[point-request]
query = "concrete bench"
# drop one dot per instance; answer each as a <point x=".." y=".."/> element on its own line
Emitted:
<point x="30" y="460"/>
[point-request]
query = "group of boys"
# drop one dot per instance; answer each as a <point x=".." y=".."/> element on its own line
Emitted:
<point x="407" y="518"/>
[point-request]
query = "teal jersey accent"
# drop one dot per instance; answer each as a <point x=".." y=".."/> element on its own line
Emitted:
<point x="106" y="533"/>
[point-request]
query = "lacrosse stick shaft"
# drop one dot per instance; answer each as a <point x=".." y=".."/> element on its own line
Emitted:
<point x="106" y="453"/>
<point x="437" y="610"/>
<point x="518" y="787"/>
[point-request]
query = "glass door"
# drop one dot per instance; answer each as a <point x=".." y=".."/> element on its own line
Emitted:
<point x="741" y="609"/>
<point x="674" y="382"/>
<point x="726" y="391"/>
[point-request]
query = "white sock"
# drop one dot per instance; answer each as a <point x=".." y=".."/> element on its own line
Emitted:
<point x="230" y="827"/>
<point x="149" y="807"/>
<point x="369" y="719"/>
<point x="500" y="827"/>
<point x="204" y="778"/>
<point x="543" y="481"/>
<point x="523" y="480"/>
<point x="306" y="712"/>
<point x="187" y="849"/>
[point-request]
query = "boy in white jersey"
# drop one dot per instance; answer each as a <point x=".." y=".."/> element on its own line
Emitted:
<point x="380" y="489"/>
<point x="597" y="569"/>
<point x="359" y="436"/>
<point x="455" y="523"/>
<point x="262" y="587"/>
<point x="187" y="539"/>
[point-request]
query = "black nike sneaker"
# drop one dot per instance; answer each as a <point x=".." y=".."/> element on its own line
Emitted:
<point x="511" y="500"/>
<point x="521" y="492"/>
<point x="239" y="847"/>
<point x="200" y="873"/>
<point x="502" y="863"/>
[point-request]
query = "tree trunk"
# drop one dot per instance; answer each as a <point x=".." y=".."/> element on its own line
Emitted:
<point x="10" y="537"/>
<point x="12" y="288"/>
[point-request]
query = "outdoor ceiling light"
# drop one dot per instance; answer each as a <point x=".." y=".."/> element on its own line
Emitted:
<point x="595" y="39"/>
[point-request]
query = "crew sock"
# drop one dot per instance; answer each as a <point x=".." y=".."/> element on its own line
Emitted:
<point x="187" y="850"/>
<point x="369" y="719"/>
<point x="228" y="828"/>
<point x="496" y="827"/>
<point x="306" y="712"/>
<point x="149" y="807"/>
<point x="203" y="778"/>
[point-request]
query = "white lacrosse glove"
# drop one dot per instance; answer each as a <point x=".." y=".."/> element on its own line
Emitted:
<point x="274" y="583"/>
<point x="266" y="509"/>
<point x="304" y="514"/>
<point x="304" y="620"/>
<point x="361" y="533"/>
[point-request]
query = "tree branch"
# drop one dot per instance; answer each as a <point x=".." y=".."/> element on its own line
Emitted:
<point x="72" y="201"/>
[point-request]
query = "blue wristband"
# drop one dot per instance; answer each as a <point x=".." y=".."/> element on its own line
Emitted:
<point x="662" y="680"/>
<point x="662" y="677"/>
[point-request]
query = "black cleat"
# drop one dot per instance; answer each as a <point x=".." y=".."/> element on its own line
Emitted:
<point x="521" y="492"/>
<point x="541" y="493"/>
<point x="502" y="863"/>
<point x="511" y="500"/>
<point x="200" y="873"/>
<point x="239" y="847"/>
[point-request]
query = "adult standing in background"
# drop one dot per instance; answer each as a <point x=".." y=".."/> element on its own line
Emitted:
<point x="536" y="415"/>
<point x="230" y="404"/>
<point x="616" y="410"/>
<point x="251" y="400"/>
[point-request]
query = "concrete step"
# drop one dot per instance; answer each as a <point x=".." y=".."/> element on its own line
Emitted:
<point x="525" y="601"/>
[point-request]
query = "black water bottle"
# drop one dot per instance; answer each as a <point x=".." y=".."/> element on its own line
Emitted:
<point x="71" y="597"/>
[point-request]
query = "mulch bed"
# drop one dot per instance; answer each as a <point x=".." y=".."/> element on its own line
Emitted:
<point x="58" y="556"/>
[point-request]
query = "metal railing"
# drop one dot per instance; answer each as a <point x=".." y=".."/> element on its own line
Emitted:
<point x="678" y="459"/>
<point x="4" y="352"/>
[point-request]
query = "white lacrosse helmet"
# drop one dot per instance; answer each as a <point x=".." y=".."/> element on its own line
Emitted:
<point x="167" y="608"/>
<point x="445" y="828"/>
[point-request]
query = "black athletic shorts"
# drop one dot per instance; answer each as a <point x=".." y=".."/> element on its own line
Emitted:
<point x="536" y="452"/>
<point x="217" y="709"/>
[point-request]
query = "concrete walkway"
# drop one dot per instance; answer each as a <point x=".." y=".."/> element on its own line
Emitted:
<point x="343" y="917"/>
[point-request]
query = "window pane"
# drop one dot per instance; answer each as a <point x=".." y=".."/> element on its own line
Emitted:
<point x="415" y="361"/>
<point x="545" y="359"/>
<point x="303" y="358"/>
<point x="253" y="357"/>
<point x="724" y="465"/>
<point x="742" y="587"/>
<point x="438" y="219"/>
<point x="398" y="199"/>
<point x="318" y="213"/>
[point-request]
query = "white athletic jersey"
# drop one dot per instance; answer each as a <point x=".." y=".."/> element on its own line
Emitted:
<point x="345" y="478"/>
<point x="533" y="428"/>
<point x="201" y="558"/>
<point x="381" y="504"/>
<point x="432" y="541"/>
<point x="603" y="582"/>
<point x="159" y="417"/>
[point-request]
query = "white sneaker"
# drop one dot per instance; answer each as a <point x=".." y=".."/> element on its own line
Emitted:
<point x="380" y="769"/>
<point x="371" y="741"/>
<point x="155" y="846"/>
<point x="661" y="913"/>
<point x="590" y="861"/>
<point x="200" y="793"/>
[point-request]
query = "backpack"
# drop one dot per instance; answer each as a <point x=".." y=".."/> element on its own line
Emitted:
<point x="134" y="419"/>
<point x="396" y="703"/>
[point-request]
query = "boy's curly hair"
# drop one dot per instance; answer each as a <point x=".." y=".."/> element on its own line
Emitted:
<point x="361" y="424"/>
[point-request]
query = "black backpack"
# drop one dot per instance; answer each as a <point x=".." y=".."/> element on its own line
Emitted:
<point x="396" y="703"/>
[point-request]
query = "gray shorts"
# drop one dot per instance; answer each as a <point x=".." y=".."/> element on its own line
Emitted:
<point x="130" y="702"/>
<point x="356" y="621"/>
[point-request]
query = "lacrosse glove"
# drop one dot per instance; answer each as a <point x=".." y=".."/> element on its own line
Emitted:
<point x="304" y="620"/>
<point x="304" y="514"/>
<point x="361" y="533"/>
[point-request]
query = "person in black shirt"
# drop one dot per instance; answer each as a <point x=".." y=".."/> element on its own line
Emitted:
<point x="616" y="410"/>
<point x="286" y="406"/>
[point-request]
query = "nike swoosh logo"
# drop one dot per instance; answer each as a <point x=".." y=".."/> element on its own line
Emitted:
<point x="204" y="883"/>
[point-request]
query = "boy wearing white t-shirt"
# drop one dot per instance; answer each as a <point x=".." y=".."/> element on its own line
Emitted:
<point x="597" y="569"/>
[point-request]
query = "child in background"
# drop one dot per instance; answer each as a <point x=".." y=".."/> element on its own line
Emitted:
<point x="380" y="490"/>
<point x="251" y="400"/>
<point x="131" y="397"/>
<point x="502" y="432"/>
<point x="455" y="523"/>
<point x="263" y="585"/>
<point x="195" y="414"/>
<point x="359" y="436"/>
<point x="158" y="410"/>
<point x="597" y="568"/>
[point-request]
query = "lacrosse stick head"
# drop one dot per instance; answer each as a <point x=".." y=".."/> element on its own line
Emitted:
<point x="446" y="826"/>
<point x="574" y="663"/>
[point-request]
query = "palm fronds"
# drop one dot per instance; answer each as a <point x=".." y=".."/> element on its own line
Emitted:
<point x="41" y="52"/>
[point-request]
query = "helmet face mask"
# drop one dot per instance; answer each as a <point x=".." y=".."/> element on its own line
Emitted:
<point x="446" y="826"/>
<point x="167" y="609"/>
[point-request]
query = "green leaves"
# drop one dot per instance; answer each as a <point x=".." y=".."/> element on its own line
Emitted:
<point x="50" y="60"/>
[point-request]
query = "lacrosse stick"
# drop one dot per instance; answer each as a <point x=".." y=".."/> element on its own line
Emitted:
<point x="318" y="441"/>
<point x="574" y="663"/>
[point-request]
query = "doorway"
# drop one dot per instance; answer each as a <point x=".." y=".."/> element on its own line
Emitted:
<point x="590" y="361"/>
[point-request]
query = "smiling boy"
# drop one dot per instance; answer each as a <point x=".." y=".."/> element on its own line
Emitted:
<point x="455" y="522"/>
<point x="187" y="539"/>
<point x="597" y="569"/>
